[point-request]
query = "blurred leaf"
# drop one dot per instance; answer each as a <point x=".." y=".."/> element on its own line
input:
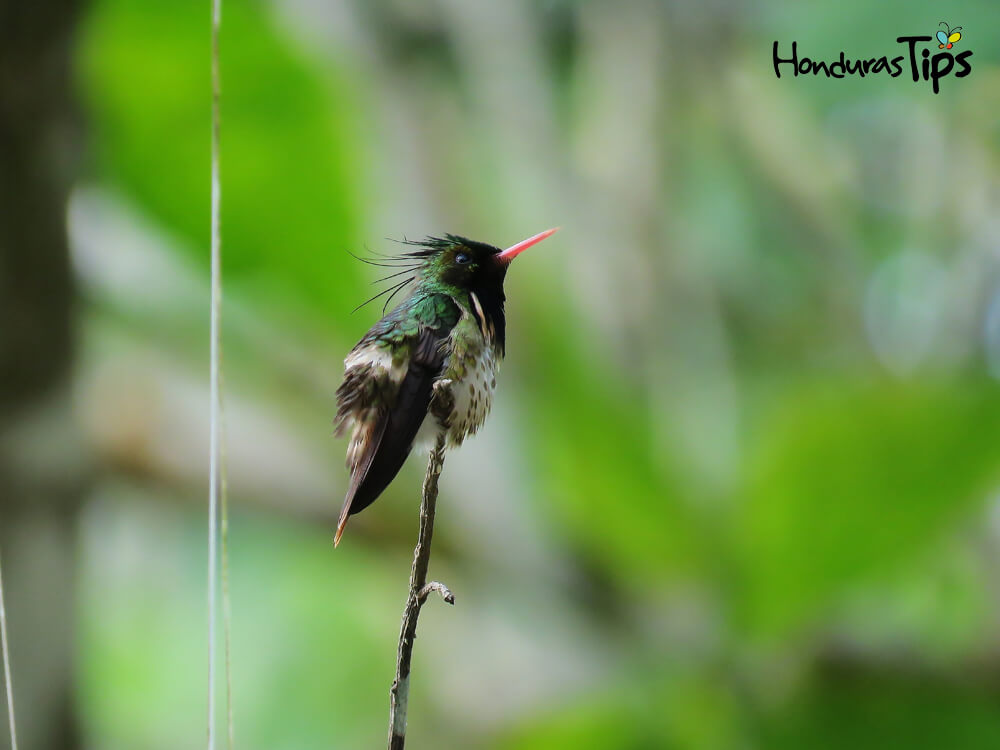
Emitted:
<point x="671" y="709"/>
<point x="863" y="710"/>
<point x="313" y="636"/>
<point x="606" y="724"/>
<point x="846" y="483"/>
<point x="619" y="502"/>
<point x="587" y="727"/>
<point x="940" y="606"/>
<point x="291" y="143"/>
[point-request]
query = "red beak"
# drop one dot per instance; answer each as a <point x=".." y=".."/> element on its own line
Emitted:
<point x="514" y="250"/>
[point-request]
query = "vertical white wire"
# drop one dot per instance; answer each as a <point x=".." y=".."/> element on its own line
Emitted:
<point x="216" y="304"/>
<point x="8" y="683"/>
<point x="227" y="610"/>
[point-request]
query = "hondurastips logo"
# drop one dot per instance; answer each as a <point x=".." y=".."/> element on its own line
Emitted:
<point x="923" y="66"/>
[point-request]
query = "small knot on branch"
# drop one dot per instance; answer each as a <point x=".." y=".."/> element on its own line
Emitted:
<point x="435" y="586"/>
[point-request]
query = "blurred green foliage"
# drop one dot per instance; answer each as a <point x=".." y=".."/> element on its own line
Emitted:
<point x="919" y="455"/>
<point x="737" y="491"/>
<point x="291" y="163"/>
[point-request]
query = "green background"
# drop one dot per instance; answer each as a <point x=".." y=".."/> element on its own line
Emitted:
<point x="739" y="485"/>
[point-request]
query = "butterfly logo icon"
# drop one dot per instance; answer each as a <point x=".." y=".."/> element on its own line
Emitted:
<point x="949" y="37"/>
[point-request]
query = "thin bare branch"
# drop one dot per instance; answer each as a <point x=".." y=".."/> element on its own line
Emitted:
<point x="420" y="589"/>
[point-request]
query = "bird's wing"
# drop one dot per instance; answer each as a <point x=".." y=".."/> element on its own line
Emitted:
<point x="386" y="392"/>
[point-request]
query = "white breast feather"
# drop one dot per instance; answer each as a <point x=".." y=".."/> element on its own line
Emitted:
<point x="473" y="397"/>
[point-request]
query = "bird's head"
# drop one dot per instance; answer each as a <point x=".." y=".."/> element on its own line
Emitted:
<point x="472" y="272"/>
<point x="459" y="264"/>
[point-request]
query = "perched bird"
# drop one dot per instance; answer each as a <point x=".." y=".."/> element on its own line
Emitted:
<point x="427" y="367"/>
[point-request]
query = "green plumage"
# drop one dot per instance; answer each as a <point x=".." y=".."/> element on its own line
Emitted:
<point x="399" y="332"/>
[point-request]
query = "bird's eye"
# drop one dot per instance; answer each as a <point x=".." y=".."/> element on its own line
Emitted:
<point x="462" y="258"/>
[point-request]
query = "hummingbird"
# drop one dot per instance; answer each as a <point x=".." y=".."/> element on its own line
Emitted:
<point x="429" y="366"/>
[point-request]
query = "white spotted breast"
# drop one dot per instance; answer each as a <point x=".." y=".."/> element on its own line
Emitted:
<point x="469" y="379"/>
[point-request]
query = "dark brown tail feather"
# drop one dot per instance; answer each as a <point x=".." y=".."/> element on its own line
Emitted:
<point x="391" y="444"/>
